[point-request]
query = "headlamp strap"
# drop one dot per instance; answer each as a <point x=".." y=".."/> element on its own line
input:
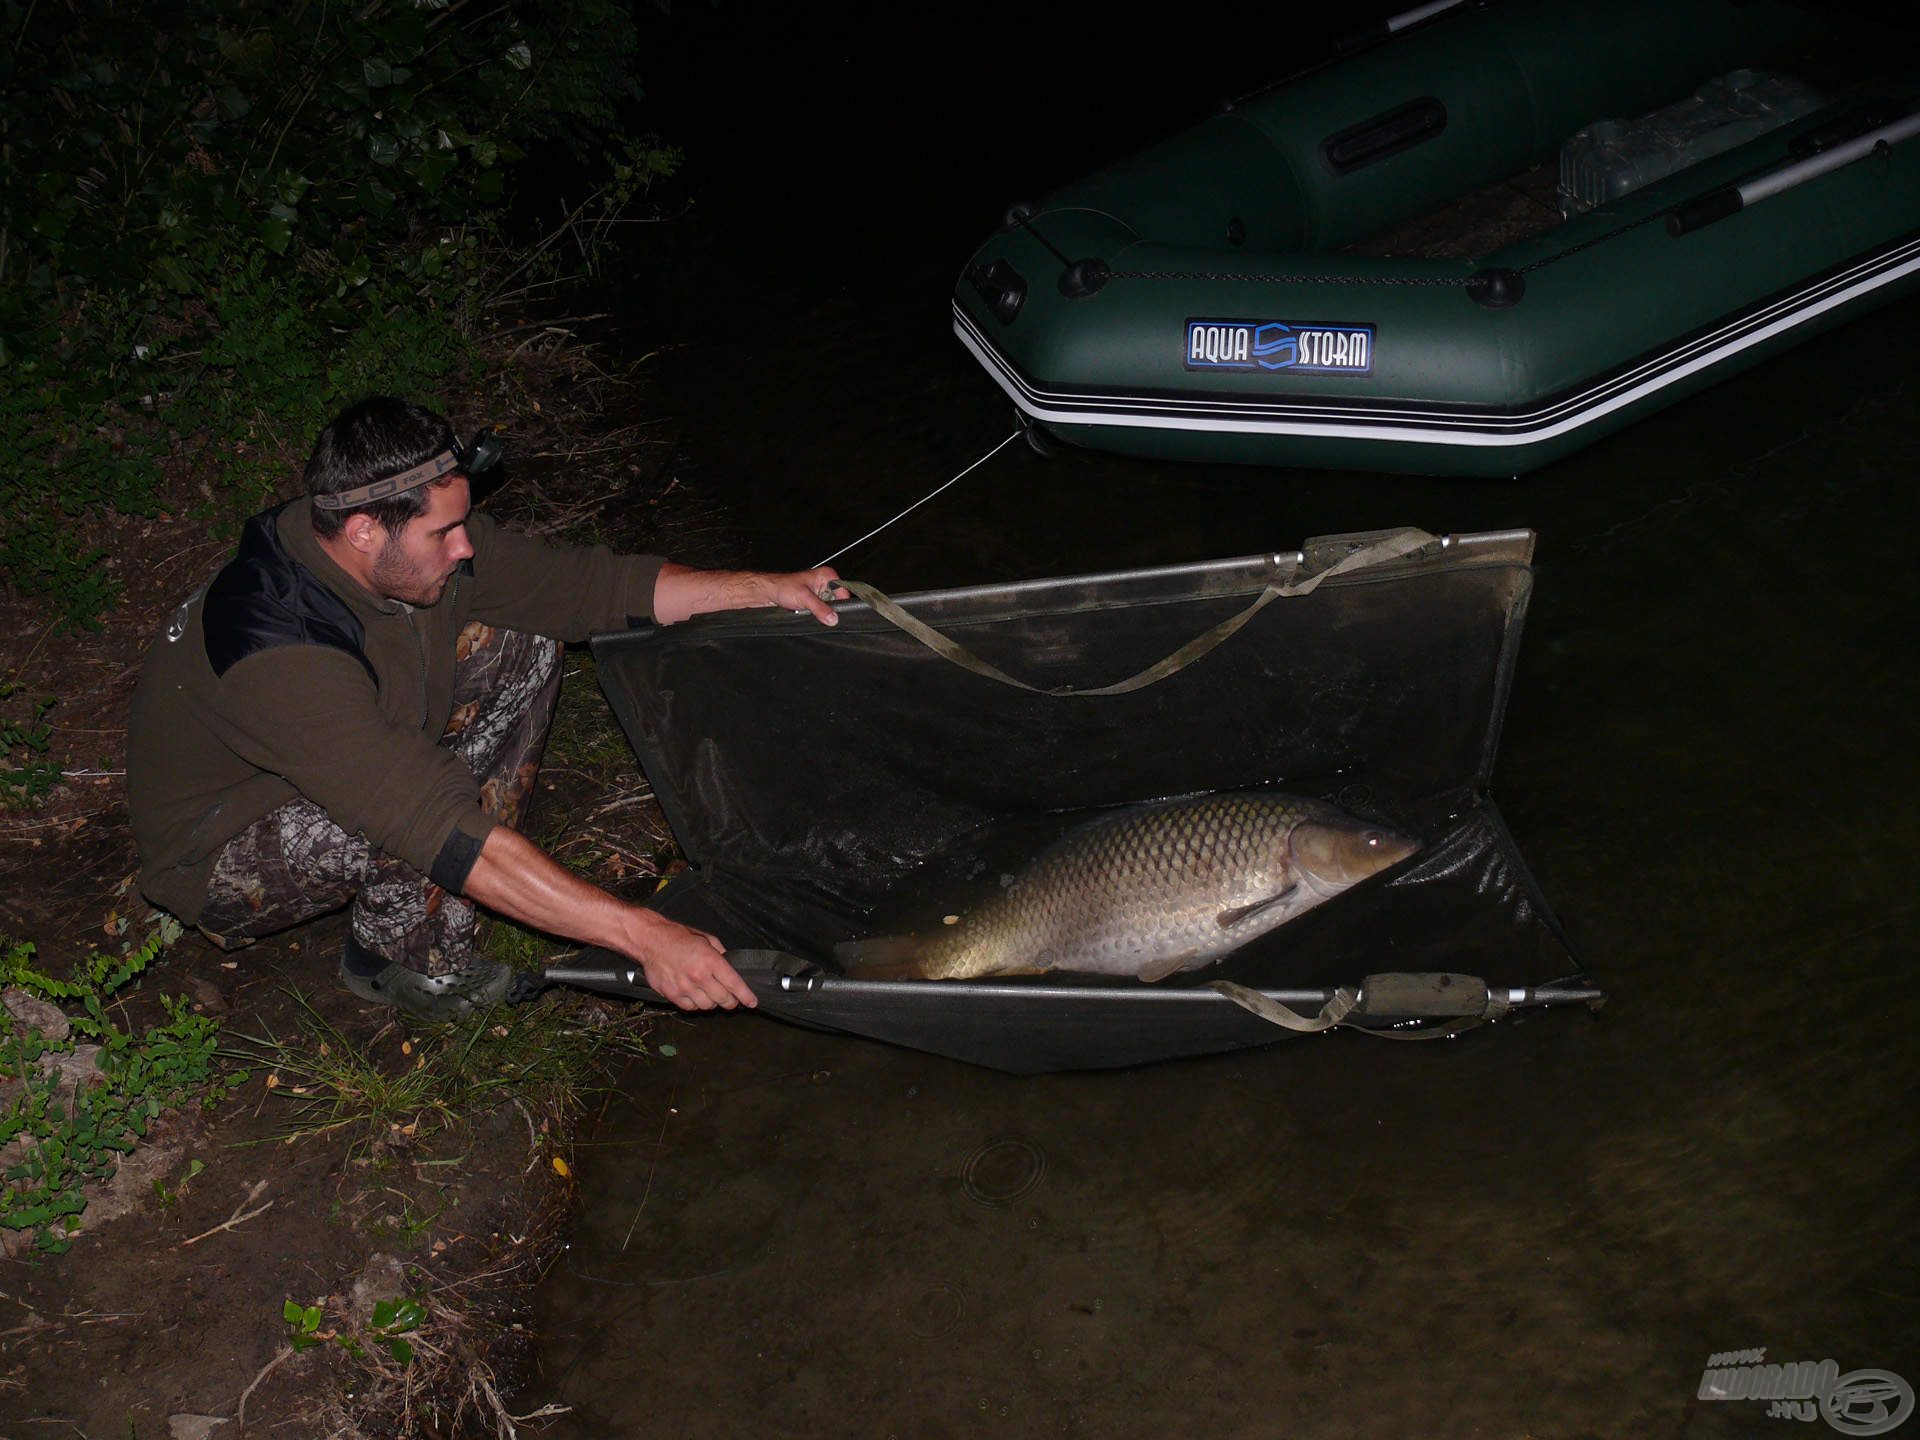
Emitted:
<point x="423" y="474"/>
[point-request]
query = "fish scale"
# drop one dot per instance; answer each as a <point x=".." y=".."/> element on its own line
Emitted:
<point x="1157" y="889"/>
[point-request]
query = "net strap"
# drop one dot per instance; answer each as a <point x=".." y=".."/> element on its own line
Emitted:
<point x="1395" y="546"/>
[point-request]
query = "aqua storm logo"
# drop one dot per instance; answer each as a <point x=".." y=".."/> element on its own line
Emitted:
<point x="1296" y="347"/>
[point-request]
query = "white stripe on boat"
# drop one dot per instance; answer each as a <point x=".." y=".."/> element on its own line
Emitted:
<point x="1340" y="417"/>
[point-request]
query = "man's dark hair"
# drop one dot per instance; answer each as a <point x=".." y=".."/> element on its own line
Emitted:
<point x="378" y="437"/>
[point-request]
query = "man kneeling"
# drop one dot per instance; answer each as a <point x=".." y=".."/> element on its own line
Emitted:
<point x="354" y="710"/>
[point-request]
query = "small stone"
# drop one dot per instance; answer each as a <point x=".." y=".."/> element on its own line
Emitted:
<point x="78" y="1067"/>
<point x="195" y="1427"/>
<point x="383" y="1279"/>
<point x="30" y="1012"/>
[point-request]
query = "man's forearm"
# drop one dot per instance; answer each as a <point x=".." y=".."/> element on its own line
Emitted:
<point x="518" y="879"/>
<point x="680" y="593"/>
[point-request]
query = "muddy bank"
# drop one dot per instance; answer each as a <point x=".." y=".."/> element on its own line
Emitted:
<point x="171" y="1300"/>
<point x="335" y="1188"/>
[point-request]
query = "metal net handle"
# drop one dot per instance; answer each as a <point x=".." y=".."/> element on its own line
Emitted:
<point x="1393" y="547"/>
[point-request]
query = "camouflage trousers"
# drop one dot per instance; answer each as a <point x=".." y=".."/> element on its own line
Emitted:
<point x="294" y="863"/>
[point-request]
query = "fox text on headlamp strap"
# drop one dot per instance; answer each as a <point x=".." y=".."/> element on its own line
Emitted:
<point x="423" y="474"/>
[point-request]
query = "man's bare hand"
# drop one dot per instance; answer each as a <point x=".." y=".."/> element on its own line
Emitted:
<point x="810" y="590"/>
<point x="686" y="966"/>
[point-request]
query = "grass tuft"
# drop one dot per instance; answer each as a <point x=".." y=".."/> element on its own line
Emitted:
<point x="402" y="1087"/>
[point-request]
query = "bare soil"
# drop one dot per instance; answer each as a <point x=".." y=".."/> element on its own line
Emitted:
<point x="165" y="1318"/>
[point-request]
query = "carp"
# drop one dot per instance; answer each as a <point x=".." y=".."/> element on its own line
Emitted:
<point x="1149" y="892"/>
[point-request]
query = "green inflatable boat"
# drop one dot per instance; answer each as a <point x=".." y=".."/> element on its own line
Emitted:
<point x="1484" y="237"/>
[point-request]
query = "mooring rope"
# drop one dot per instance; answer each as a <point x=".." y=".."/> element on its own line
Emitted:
<point x="921" y="501"/>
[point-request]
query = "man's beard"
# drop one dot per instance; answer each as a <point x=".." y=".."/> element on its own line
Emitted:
<point x="396" y="577"/>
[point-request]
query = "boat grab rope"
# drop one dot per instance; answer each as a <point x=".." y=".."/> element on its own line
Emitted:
<point x="1244" y="277"/>
<point x="1028" y="226"/>
<point x="1396" y="545"/>
<point x="1453" y="282"/>
<point x="1444" y="281"/>
<point x="1459" y="282"/>
<point x="921" y="501"/>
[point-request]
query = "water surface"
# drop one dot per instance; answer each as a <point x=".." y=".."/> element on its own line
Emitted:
<point x="1541" y="1229"/>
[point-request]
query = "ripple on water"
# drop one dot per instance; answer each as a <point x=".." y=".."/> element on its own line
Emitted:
<point x="937" y="1311"/>
<point x="1209" y="1187"/>
<point x="1001" y="1171"/>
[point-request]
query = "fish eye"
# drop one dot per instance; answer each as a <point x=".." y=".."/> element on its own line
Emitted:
<point x="1373" y="839"/>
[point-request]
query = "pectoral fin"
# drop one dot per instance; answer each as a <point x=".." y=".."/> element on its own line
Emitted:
<point x="1227" y="919"/>
<point x="1167" y="965"/>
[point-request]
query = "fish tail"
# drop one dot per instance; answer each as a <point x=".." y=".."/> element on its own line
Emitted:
<point x="883" y="957"/>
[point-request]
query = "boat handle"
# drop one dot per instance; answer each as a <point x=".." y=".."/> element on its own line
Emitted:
<point x="1384" y="135"/>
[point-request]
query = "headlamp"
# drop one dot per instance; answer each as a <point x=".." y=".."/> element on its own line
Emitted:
<point x="479" y="454"/>
<point x="482" y="452"/>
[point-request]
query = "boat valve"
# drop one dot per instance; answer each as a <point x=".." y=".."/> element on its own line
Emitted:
<point x="1083" y="278"/>
<point x="1002" y="287"/>
<point x="1497" y="288"/>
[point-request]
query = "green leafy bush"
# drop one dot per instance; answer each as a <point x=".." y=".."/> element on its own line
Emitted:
<point x="26" y="770"/>
<point x="392" y="1320"/>
<point x="221" y="221"/>
<point x="139" y="1078"/>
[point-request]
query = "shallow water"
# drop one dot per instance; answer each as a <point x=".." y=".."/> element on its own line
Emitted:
<point x="1541" y="1229"/>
